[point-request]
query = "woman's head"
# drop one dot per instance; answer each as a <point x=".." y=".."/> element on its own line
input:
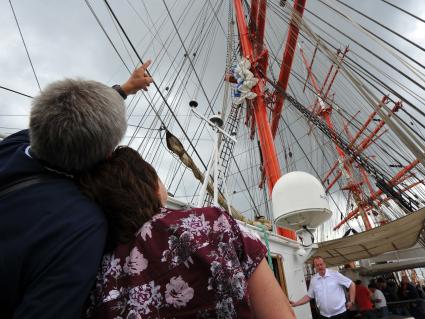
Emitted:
<point x="128" y="190"/>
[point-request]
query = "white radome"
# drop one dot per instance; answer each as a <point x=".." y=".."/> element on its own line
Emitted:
<point x="298" y="201"/>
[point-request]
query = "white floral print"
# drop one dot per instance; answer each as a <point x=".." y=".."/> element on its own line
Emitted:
<point x="225" y="309"/>
<point x="248" y="233"/>
<point x="145" y="296"/>
<point x="135" y="263"/>
<point x="195" y="224"/>
<point x="113" y="294"/>
<point x="114" y="268"/>
<point x="180" y="249"/>
<point x="221" y="225"/>
<point x="133" y="315"/>
<point x="160" y="215"/>
<point x="178" y="293"/>
<point x="145" y="231"/>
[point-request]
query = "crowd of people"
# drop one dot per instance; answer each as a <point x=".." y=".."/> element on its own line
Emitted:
<point x="382" y="297"/>
<point x="335" y="296"/>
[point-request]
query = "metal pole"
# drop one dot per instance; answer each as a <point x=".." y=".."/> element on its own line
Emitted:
<point x="264" y="133"/>
<point x="288" y="58"/>
<point x="216" y="167"/>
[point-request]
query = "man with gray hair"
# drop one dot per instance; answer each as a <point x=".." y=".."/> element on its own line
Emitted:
<point x="52" y="237"/>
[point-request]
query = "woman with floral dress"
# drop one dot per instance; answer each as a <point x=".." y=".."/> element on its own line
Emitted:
<point x="163" y="263"/>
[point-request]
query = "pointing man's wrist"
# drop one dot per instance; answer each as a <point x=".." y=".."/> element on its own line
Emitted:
<point x="120" y="91"/>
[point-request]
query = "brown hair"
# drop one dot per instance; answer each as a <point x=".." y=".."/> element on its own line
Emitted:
<point x="317" y="257"/>
<point x="126" y="188"/>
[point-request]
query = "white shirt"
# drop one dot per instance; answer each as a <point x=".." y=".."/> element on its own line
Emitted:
<point x="329" y="293"/>
<point x="379" y="295"/>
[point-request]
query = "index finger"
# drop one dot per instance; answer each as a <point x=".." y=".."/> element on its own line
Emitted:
<point x="146" y="64"/>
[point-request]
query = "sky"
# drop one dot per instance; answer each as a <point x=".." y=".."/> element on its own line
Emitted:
<point x="64" y="40"/>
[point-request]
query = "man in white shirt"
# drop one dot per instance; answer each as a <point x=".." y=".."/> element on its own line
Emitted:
<point x="379" y="300"/>
<point x="327" y="288"/>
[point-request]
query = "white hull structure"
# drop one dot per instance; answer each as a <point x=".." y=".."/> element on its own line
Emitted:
<point x="409" y="258"/>
<point x="292" y="257"/>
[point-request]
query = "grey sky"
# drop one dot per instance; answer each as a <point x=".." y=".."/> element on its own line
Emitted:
<point x="64" y="41"/>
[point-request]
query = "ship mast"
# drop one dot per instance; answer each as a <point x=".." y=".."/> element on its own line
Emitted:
<point x="251" y="40"/>
<point x="365" y="203"/>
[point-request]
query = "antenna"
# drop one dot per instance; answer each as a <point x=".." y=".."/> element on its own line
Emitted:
<point x="216" y="122"/>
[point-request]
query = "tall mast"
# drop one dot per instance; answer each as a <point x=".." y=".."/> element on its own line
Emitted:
<point x="288" y="58"/>
<point x="268" y="150"/>
<point x="253" y="50"/>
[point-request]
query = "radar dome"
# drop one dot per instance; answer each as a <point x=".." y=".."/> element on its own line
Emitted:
<point x="299" y="200"/>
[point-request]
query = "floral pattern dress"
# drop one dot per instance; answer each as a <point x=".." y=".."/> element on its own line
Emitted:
<point x="181" y="264"/>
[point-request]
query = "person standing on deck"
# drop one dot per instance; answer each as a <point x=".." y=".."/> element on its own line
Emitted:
<point x="52" y="236"/>
<point x="327" y="288"/>
<point x="408" y="292"/>
<point x="364" y="301"/>
<point x="379" y="300"/>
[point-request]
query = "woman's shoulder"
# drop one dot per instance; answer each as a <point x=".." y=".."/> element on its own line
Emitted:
<point x="206" y="214"/>
<point x="199" y="221"/>
<point x="214" y="219"/>
<point x="212" y="211"/>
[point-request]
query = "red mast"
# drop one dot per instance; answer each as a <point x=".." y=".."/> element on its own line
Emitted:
<point x="325" y="112"/>
<point x="288" y="58"/>
<point x="259" y="59"/>
<point x="271" y="163"/>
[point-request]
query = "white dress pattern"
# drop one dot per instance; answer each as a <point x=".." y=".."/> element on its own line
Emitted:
<point x="177" y="292"/>
<point x="192" y="264"/>
<point x="135" y="263"/>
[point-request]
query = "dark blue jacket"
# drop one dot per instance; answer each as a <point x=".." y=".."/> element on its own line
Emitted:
<point x="51" y="240"/>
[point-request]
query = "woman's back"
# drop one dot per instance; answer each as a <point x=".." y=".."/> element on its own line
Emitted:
<point x="181" y="264"/>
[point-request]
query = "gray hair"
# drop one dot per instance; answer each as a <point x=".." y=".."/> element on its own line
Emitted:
<point x="75" y="124"/>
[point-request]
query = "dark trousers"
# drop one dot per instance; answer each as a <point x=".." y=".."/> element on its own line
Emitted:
<point x="340" y="316"/>
<point x="368" y="314"/>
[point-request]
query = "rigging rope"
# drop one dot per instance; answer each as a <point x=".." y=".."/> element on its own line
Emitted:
<point x="405" y="11"/>
<point x="266" y="240"/>
<point x="292" y="71"/>
<point x="188" y="56"/>
<point x="376" y="79"/>
<point x="413" y="144"/>
<point x="380" y="58"/>
<point x="380" y="24"/>
<point x="106" y="34"/>
<point x="156" y="86"/>
<point x="380" y="41"/>
<point x="372" y="169"/>
<point x="347" y="58"/>
<point x="25" y="46"/>
<point x="17" y="92"/>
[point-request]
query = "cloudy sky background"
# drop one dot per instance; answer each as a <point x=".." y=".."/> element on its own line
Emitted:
<point x="64" y="40"/>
